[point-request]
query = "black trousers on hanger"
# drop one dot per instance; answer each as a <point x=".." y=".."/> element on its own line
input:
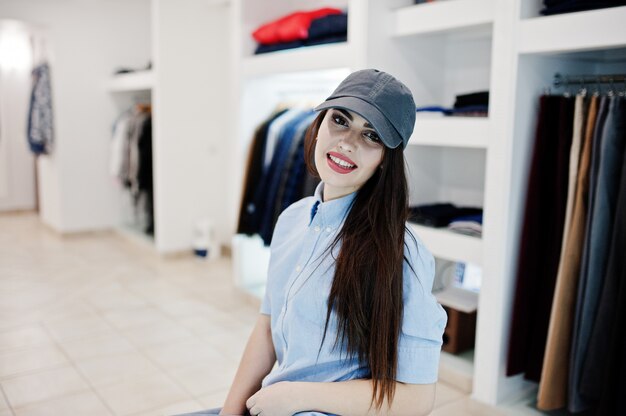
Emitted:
<point x="541" y="235"/>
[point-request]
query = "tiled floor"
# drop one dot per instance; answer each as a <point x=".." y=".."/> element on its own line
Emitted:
<point x="96" y="325"/>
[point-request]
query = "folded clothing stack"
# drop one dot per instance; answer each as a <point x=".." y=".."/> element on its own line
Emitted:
<point x="569" y="6"/>
<point x="315" y="27"/>
<point x="474" y="104"/>
<point x="469" y="225"/>
<point x="466" y="220"/>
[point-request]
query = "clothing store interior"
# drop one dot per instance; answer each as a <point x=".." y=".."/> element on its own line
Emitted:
<point x="149" y="147"/>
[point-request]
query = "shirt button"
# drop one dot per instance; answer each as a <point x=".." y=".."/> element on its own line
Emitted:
<point x="328" y="229"/>
<point x="317" y="229"/>
<point x="298" y="268"/>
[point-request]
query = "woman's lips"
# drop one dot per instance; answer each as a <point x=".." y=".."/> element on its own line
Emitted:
<point x="337" y="167"/>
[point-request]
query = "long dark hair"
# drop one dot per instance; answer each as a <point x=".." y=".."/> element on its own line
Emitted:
<point x="366" y="292"/>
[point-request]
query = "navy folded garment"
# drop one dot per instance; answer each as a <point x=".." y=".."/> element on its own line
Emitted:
<point x="440" y="215"/>
<point x="297" y="44"/>
<point x="278" y="47"/>
<point x="331" y="25"/>
<point x="474" y="218"/>
<point x="475" y="98"/>
<point x="479" y="109"/>
<point x="570" y="6"/>
<point x="326" y="39"/>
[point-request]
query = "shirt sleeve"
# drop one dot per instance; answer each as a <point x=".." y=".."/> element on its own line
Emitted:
<point x="424" y="320"/>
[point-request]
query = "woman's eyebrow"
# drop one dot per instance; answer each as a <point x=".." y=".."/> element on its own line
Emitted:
<point x="349" y="116"/>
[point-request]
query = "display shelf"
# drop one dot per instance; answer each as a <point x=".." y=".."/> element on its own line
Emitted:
<point x="450" y="245"/>
<point x="443" y="16"/>
<point x="457" y="298"/>
<point x="571" y="32"/>
<point x="451" y="132"/>
<point x="134" y="81"/>
<point x="309" y="58"/>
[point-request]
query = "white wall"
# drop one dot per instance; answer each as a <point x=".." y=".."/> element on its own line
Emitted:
<point x="190" y="132"/>
<point x="87" y="40"/>
<point x="17" y="167"/>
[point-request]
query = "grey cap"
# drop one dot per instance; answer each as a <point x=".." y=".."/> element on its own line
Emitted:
<point x="380" y="99"/>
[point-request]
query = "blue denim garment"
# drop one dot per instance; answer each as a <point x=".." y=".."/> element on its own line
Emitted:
<point x="275" y="172"/>
<point x="299" y="281"/>
<point x="598" y="240"/>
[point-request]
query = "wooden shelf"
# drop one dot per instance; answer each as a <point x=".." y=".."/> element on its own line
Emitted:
<point x="572" y="32"/>
<point x="470" y="132"/>
<point x="449" y="245"/>
<point x="134" y="81"/>
<point x="309" y="58"/>
<point x="443" y="16"/>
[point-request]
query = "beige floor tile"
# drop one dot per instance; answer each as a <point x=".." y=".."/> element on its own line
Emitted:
<point x="142" y="394"/>
<point x="145" y="336"/>
<point x="186" y="406"/>
<point x="186" y="352"/>
<point x="83" y="403"/>
<point x="114" y="297"/>
<point x="39" y="357"/>
<point x="43" y="385"/>
<point x="77" y="327"/>
<point x="229" y="343"/>
<point x="447" y="394"/>
<point x="105" y="370"/>
<point x="213" y="400"/>
<point x="24" y="336"/>
<point x="205" y="379"/>
<point x="98" y="345"/>
<point x="468" y="407"/>
<point x="3" y="403"/>
<point x="129" y="317"/>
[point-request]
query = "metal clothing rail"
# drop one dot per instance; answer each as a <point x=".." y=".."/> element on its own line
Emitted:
<point x="560" y="80"/>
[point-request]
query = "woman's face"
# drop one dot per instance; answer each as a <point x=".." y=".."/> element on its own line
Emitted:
<point x="347" y="152"/>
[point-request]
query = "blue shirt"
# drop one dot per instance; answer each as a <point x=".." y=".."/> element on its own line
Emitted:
<point x="299" y="281"/>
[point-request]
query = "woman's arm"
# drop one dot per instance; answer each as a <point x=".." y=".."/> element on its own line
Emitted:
<point x="344" y="398"/>
<point x="257" y="361"/>
<point x="353" y="397"/>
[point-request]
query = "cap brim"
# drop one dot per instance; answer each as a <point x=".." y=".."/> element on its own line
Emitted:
<point x="388" y="134"/>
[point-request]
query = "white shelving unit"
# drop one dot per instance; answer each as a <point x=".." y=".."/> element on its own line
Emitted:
<point x="134" y="81"/>
<point x="450" y="245"/>
<point x="188" y="38"/>
<point x="311" y="58"/>
<point x="443" y="16"/>
<point x="595" y="29"/>
<point x="470" y="132"/>
<point x="439" y="50"/>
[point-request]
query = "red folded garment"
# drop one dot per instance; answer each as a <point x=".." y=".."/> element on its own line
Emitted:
<point x="293" y="27"/>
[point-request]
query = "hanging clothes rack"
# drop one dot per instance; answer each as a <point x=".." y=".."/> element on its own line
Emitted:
<point x="589" y="79"/>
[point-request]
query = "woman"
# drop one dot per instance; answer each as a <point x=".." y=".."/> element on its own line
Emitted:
<point x="348" y="313"/>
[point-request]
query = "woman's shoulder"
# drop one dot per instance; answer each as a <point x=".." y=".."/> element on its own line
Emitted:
<point x="418" y="261"/>
<point x="298" y="208"/>
<point x="295" y="214"/>
<point x="413" y="245"/>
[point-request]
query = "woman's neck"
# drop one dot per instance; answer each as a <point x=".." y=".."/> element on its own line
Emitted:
<point x="330" y="192"/>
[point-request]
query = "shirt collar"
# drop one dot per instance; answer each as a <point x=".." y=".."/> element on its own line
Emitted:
<point x="331" y="212"/>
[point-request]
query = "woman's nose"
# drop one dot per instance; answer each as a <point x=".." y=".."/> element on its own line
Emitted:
<point x="347" y="141"/>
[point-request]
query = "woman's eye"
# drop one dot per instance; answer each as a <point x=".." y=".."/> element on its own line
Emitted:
<point x="372" y="136"/>
<point x="339" y="120"/>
